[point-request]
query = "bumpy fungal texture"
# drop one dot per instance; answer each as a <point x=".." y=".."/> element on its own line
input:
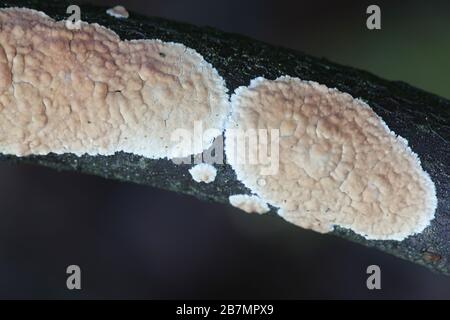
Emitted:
<point x="86" y="91"/>
<point x="118" y="12"/>
<point x="249" y="203"/>
<point x="339" y="162"/>
<point x="203" y="172"/>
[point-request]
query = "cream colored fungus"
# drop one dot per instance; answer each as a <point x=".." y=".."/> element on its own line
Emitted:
<point x="249" y="203"/>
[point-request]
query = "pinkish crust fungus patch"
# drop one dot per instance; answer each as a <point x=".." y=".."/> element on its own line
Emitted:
<point x="339" y="162"/>
<point x="86" y="91"/>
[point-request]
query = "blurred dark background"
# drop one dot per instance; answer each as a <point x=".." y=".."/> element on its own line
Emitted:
<point x="138" y="242"/>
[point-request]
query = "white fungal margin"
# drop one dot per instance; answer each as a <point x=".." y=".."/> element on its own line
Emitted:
<point x="249" y="203"/>
<point x="87" y="92"/>
<point x="203" y="172"/>
<point x="340" y="164"/>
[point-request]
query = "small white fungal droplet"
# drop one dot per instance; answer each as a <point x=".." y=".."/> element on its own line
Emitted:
<point x="203" y="172"/>
<point x="339" y="164"/>
<point x="118" y="12"/>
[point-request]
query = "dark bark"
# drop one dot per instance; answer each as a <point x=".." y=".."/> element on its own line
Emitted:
<point x="422" y="118"/>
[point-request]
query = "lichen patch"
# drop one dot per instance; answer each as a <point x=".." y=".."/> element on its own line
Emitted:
<point x="87" y="92"/>
<point x="339" y="164"/>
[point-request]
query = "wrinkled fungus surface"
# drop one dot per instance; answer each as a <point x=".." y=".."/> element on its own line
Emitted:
<point x="118" y="12"/>
<point x="339" y="164"/>
<point x="203" y="172"/>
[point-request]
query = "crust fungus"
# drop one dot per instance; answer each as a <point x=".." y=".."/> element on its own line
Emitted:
<point x="86" y="91"/>
<point x="339" y="164"/>
<point x="118" y="12"/>
<point x="249" y="203"/>
<point x="203" y="172"/>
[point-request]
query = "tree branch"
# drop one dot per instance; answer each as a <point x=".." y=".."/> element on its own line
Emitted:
<point x="422" y="118"/>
